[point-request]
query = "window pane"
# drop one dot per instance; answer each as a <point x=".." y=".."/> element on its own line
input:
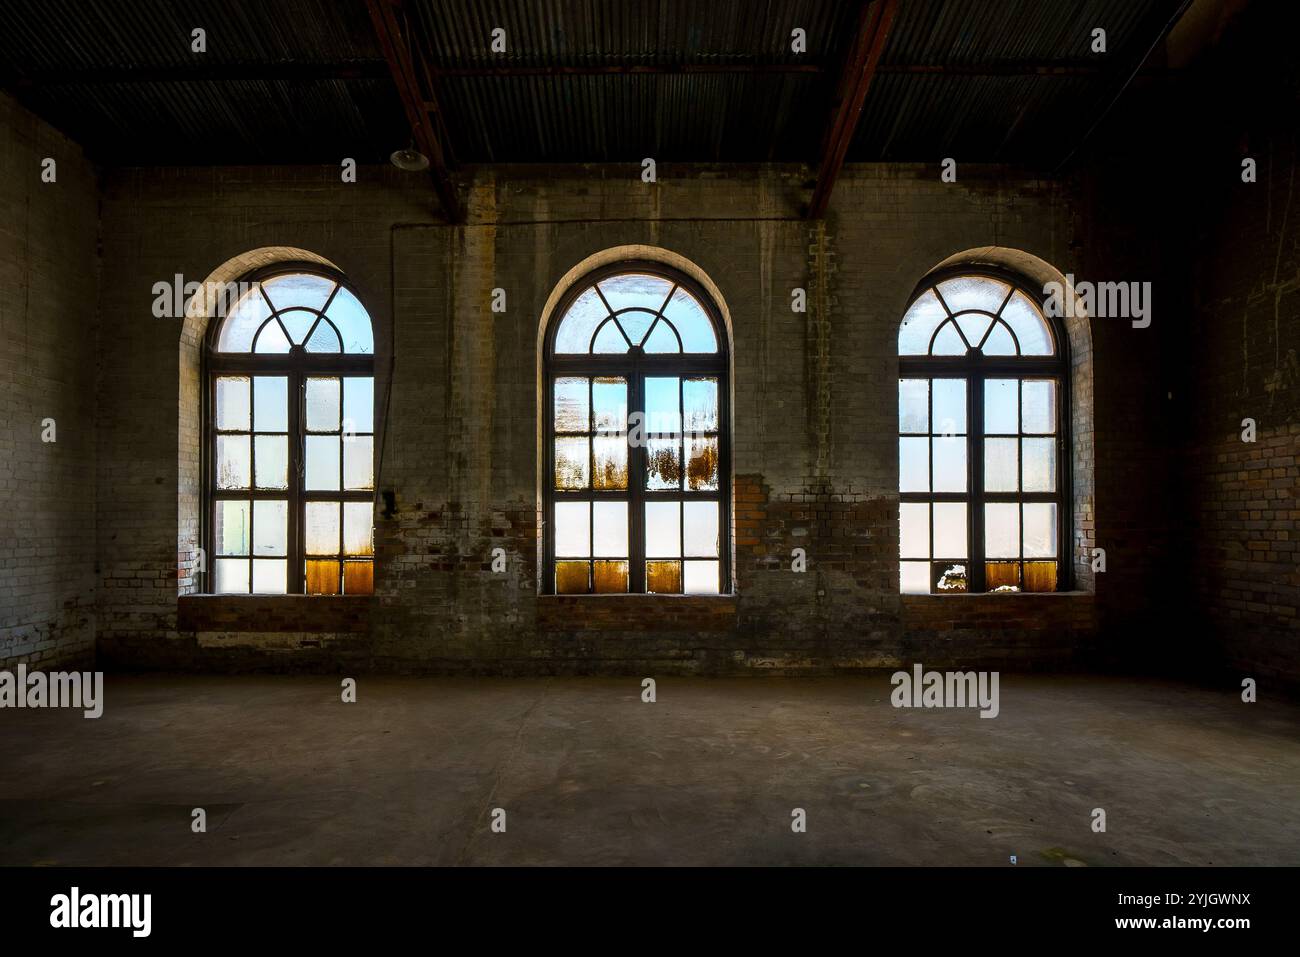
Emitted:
<point x="636" y="324"/>
<point x="358" y="578"/>
<point x="1038" y="406"/>
<point x="579" y="323"/>
<point x="571" y="409"/>
<point x="358" y="528"/>
<point x="573" y="529"/>
<point x="700" y="404"/>
<point x="610" y="339"/>
<point x="1000" y="400"/>
<point x="233" y="462"/>
<point x="1002" y="576"/>
<point x="914" y="578"/>
<point x="609" y="577"/>
<point x="913" y="405"/>
<point x="322" y="532"/>
<point x="700" y="528"/>
<point x="949" y="577"/>
<point x="1040" y="576"/>
<point x="609" y="529"/>
<point x="663" y="578"/>
<point x="323" y="405"/>
<point x="949" y="406"/>
<point x="270" y="528"/>
<point x="322" y="578"/>
<point x="914" y="530"/>
<point x="948" y="342"/>
<point x="914" y="465"/>
<point x="1040" y="530"/>
<point x="322" y="462"/>
<point x="232" y="576"/>
<point x="611" y="462"/>
<point x="272" y="461"/>
<point x="1000" y="465"/>
<point x="702" y="464"/>
<point x="974" y="292"/>
<point x="353" y="323"/>
<point x="323" y="338"/>
<point x="663" y="529"/>
<point x="918" y="325"/>
<point x="571" y="578"/>
<point x="271" y="403"/>
<point x="298" y="289"/>
<point x="1040" y="465"/>
<point x="999" y="342"/>
<point x="358" y="462"/>
<point x="572" y="460"/>
<point x="1028" y="325"/>
<point x="950" y="529"/>
<point x="1002" y="530"/>
<point x="663" y="464"/>
<point x="691" y="322"/>
<point x="298" y="322"/>
<point x="232" y="528"/>
<point x="232" y="403"/>
<point x="949" y="464"/>
<point x="662" y="405"/>
<point x="270" y="576"/>
<point x="609" y="396"/>
<point x="700" y="578"/>
<point x="359" y="404"/>
<point x="662" y="338"/>
<point x="243" y="321"/>
<point x="271" y="339"/>
<point x="635" y="290"/>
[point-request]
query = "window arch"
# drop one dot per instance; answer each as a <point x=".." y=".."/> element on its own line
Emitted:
<point x="289" y="437"/>
<point x="983" y="422"/>
<point x="636" y="437"/>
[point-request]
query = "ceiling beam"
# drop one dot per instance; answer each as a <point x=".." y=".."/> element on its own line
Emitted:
<point x="399" y="53"/>
<point x="874" y="22"/>
<point x="221" y="73"/>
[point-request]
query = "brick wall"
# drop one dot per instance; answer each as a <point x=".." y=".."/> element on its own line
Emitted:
<point x="48" y="276"/>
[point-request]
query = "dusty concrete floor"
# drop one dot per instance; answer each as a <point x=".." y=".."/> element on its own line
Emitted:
<point x="588" y="774"/>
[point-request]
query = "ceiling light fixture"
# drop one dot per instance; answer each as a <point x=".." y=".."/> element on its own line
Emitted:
<point x="410" y="159"/>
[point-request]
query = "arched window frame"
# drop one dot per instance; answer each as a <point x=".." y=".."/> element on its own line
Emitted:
<point x="975" y="368"/>
<point x="297" y="365"/>
<point x="636" y="365"/>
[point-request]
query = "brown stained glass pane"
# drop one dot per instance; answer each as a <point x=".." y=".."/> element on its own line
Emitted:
<point x="663" y="464"/>
<point x="702" y="466"/>
<point x="1040" y="576"/>
<point x="571" y="405"/>
<point x="572" y="462"/>
<point x="611" y="462"/>
<point x="322" y="578"/>
<point x="1002" y="576"/>
<point x="610" y="577"/>
<point x="663" y="577"/>
<point x="358" y="578"/>
<point x="571" y="578"/>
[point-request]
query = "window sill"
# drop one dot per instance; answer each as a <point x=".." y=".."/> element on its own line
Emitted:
<point x="644" y="613"/>
<point x="1000" y="596"/>
<point x="274" y="613"/>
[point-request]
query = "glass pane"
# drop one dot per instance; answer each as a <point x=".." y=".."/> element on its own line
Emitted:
<point x="609" y="529"/>
<point x="914" y="465"/>
<point x="663" y="529"/>
<point x="358" y="578"/>
<point x="663" y="464"/>
<point x="1040" y="530"/>
<point x="636" y="324"/>
<point x="691" y="323"/>
<point x="571" y="406"/>
<point x="973" y="292"/>
<point x="1002" y="530"/>
<point x="271" y="339"/>
<point x="231" y="576"/>
<point x="1028" y="325"/>
<point x="611" y="462"/>
<point x="270" y="576"/>
<point x="950" y="529"/>
<point x="662" y="405"/>
<point x="700" y="528"/>
<point x="270" y="528"/>
<point x="913" y="405"/>
<point x="949" y="577"/>
<point x="950" y="406"/>
<point x="571" y="578"/>
<point x="918" y="325"/>
<point x="700" y="404"/>
<point x="323" y="338"/>
<point x="234" y="467"/>
<point x="298" y="322"/>
<point x="948" y="342"/>
<point x="700" y="578"/>
<point x="358" y="462"/>
<point x="242" y="323"/>
<point x="1000" y="465"/>
<point x="702" y="463"/>
<point x="973" y="327"/>
<point x="232" y="527"/>
<point x="271" y="403"/>
<point x="662" y="339"/>
<point x="358" y="528"/>
<point x="272" y="461"/>
<point x="1002" y="576"/>
<point x="579" y="324"/>
<point x="663" y="578"/>
<point x="1040" y="576"/>
<point x="635" y="290"/>
<point x="1000" y="399"/>
<point x="232" y="403"/>
<point x="914" y="530"/>
<point x="609" y="577"/>
<point x="610" y="339"/>
<point x="298" y="289"/>
<point x="352" y="322"/>
<point x="999" y="342"/>
<point x="322" y="532"/>
<point x="323" y="405"/>
<point x="949" y="464"/>
<point x="572" y="460"/>
<point x="609" y="396"/>
<point x="322" y="462"/>
<point x="1040" y="465"/>
<point x="573" y="529"/>
<point x="914" y="578"/>
<point x="359" y="404"/>
<point x="1038" y="406"/>
<point x="322" y="577"/>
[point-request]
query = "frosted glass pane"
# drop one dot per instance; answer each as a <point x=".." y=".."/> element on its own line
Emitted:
<point x="973" y="326"/>
<point x="1000" y="399"/>
<point x="322" y="533"/>
<point x="662" y="405"/>
<point x="702" y="463"/>
<point x="1040" y="530"/>
<point x="233" y="411"/>
<point x="700" y="528"/>
<point x="272" y="461"/>
<point x="913" y="405"/>
<point x="358" y="462"/>
<point x="1027" y="323"/>
<point x="636" y="324"/>
<point x="700" y="578"/>
<point x="949" y="464"/>
<point x="918" y="325"/>
<point x="1002" y="530"/>
<point x="358" y="528"/>
<point x="298" y="322"/>
<point x="914" y="578"/>
<point x="271" y="403"/>
<point x="609" y="529"/>
<point x="663" y="464"/>
<point x="573" y="529"/>
<point x="949" y="406"/>
<point x="662" y="338"/>
<point x="949" y="529"/>
<point x="298" y="289"/>
<point x="323" y="405"/>
<point x="242" y="323"/>
<point x="1038" y="406"/>
<point x="914" y="465"/>
<point x="692" y="323"/>
<point x="572" y="407"/>
<point x="271" y="339"/>
<point x="611" y="462"/>
<point x="231" y="576"/>
<point x="1039" y="464"/>
<point x="663" y="529"/>
<point x="353" y="323"/>
<point x="973" y="292"/>
<point x="579" y="323"/>
<point x="323" y="338"/>
<point x="572" y="462"/>
<point x="914" y="530"/>
<point x="359" y="404"/>
<point x="948" y="342"/>
<point x="700" y="404"/>
<point x="635" y="290"/>
<point x="270" y="576"/>
<point x="999" y="342"/>
<point x="609" y="398"/>
<point x="232" y="527"/>
<point x="1000" y="465"/>
<point x="322" y="462"/>
<point x="234" y="465"/>
<point x="610" y="339"/>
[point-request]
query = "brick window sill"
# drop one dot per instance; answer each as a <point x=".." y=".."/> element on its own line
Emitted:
<point x="274" y="613"/>
<point x="636" y="612"/>
<point x="995" y="596"/>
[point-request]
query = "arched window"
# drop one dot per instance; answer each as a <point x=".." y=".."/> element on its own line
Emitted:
<point x="983" y="413"/>
<point x="637" y="475"/>
<point x="290" y="438"/>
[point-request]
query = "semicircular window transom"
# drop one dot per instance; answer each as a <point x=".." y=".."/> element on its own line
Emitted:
<point x="297" y="309"/>
<point x="974" y="314"/>
<point x="635" y="310"/>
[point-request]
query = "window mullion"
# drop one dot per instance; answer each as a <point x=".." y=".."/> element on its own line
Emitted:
<point x="297" y="518"/>
<point x="636" y="459"/>
<point x="975" y="469"/>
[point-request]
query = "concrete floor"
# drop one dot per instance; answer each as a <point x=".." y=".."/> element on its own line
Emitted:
<point x="588" y="774"/>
